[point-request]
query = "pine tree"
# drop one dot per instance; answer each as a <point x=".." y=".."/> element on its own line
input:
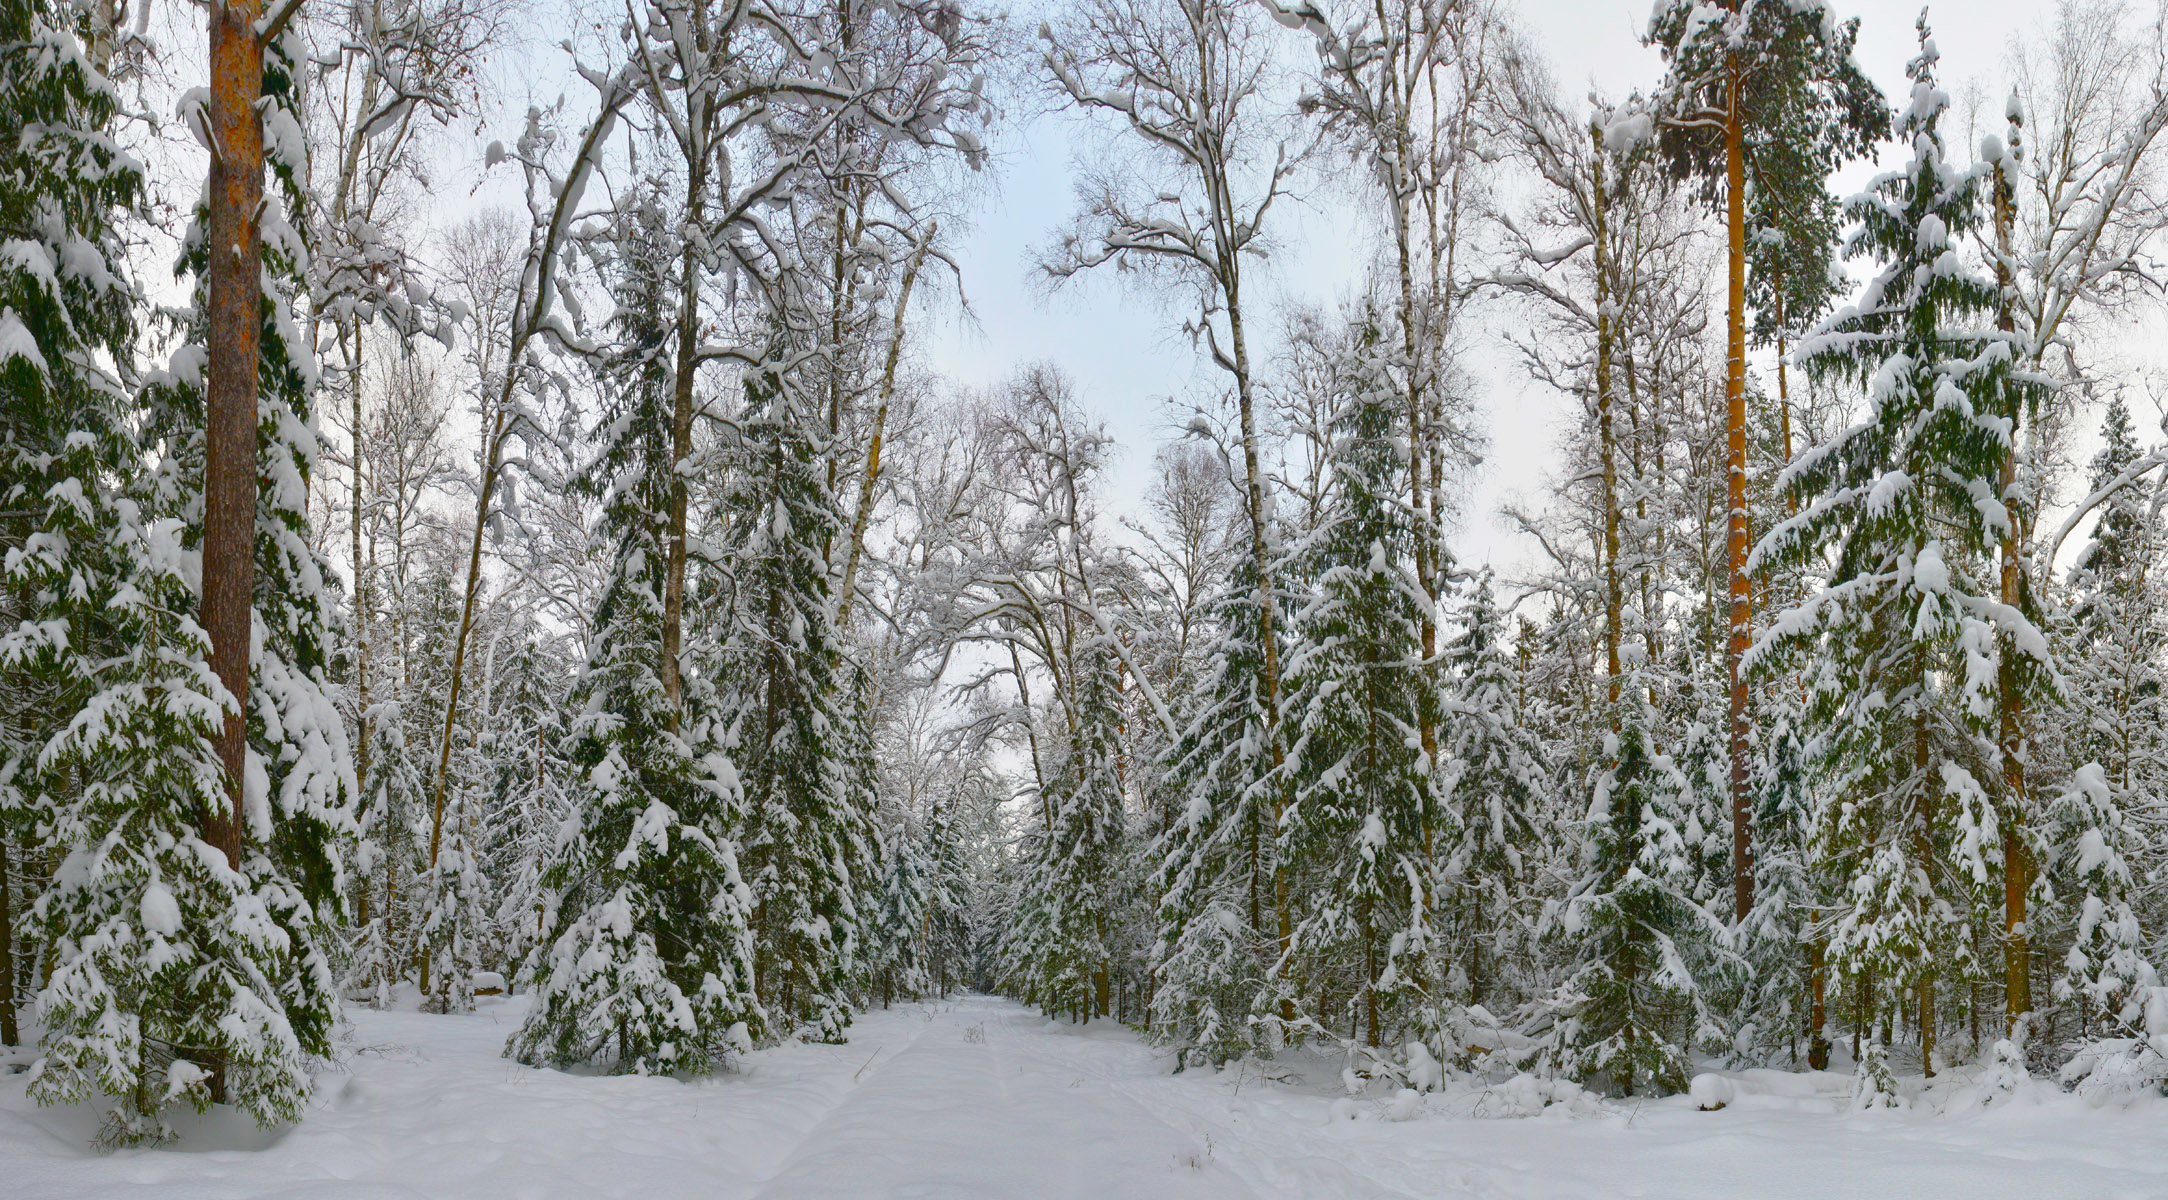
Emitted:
<point x="1900" y="644"/>
<point x="2107" y="968"/>
<point x="186" y="970"/>
<point x="528" y="796"/>
<point x="1767" y="99"/>
<point x="647" y="964"/>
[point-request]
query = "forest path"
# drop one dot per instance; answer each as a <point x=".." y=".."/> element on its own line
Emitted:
<point x="979" y="1098"/>
<point x="984" y="1102"/>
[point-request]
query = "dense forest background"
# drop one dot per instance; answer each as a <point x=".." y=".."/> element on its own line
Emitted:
<point x="613" y="604"/>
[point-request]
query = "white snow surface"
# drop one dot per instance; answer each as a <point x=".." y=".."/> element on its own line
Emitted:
<point x="980" y="1099"/>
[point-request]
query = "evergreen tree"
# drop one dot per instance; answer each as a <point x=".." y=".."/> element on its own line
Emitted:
<point x="1900" y="645"/>
<point x="1363" y="828"/>
<point x="1761" y="103"/>
<point x="1062" y="946"/>
<point x="1216" y="942"/>
<point x="1498" y="794"/>
<point x="528" y="797"/>
<point x="783" y="715"/>
<point x="647" y="964"/>
<point x="1634" y="1002"/>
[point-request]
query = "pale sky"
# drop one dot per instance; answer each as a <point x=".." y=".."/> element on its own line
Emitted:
<point x="1128" y="356"/>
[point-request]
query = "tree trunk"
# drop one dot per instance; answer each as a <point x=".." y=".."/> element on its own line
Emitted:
<point x="9" y="1034"/>
<point x="1742" y="853"/>
<point x="681" y="448"/>
<point x="872" y="476"/>
<point x="1268" y="642"/>
<point x="1613" y="600"/>
<point x="2010" y="725"/>
<point x="361" y="588"/>
<point x="233" y="346"/>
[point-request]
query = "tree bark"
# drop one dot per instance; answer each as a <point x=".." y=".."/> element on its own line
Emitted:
<point x="1742" y="852"/>
<point x="233" y="345"/>
<point x="681" y="449"/>
<point x="1613" y="598"/>
<point x="9" y="1034"/>
<point x="872" y="476"/>
<point x="2010" y="724"/>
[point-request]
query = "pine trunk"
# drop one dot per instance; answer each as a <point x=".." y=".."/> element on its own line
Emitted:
<point x="2010" y="725"/>
<point x="232" y="344"/>
<point x="1742" y="853"/>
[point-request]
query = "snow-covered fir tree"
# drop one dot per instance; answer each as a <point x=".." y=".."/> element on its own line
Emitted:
<point x="648" y="960"/>
<point x="1365" y="821"/>
<point x="1499" y="791"/>
<point x="1899" y="647"/>
<point x="1221" y="909"/>
<point x="783" y="715"/>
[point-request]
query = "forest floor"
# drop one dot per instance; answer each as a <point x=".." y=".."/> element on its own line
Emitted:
<point x="980" y="1099"/>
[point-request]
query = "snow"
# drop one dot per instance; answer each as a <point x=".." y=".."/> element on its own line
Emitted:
<point x="980" y="1099"/>
<point x="1711" y="1091"/>
<point x="161" y="913"/>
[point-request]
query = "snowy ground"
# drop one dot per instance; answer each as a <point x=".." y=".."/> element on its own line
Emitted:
<point x="979" y="1099"/>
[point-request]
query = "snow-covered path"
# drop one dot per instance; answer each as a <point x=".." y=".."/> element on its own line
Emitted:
<point x="986" y="1114"/>
<point x="980" y="1099"/>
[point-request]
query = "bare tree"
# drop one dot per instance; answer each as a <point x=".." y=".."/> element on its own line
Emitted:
<point x="1185" y="79"/>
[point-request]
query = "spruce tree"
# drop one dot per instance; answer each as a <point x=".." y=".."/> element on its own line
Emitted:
<point x="1634" y="1002"/>
<point x="783" y="716"/>
<point x="1063" y="944"/>
<point x="1499" y="791"/>
<point x="1364" y="825"/>
<point x="1900" y="644"/>
<point x="647" y="962"/>
<point x="1215" y="879"/>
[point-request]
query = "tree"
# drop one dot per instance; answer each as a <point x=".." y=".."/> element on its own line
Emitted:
<point x="1184" y="78"/>
<point x="203" y="865"/>
<point x="648" y="963"/>
<point x="1362" y="830"/>
<point x="1899" y="644"/>
<point x="784" y="714"/>
<point x="1767" y="98"/>
<point x="66" y="365"/>
<point x="1498" y="790"/>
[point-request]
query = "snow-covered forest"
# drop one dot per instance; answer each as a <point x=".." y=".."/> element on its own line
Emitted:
<point x="613" y="642"/>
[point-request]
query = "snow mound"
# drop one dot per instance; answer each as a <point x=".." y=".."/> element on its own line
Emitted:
<point x="1711" y="1092"/>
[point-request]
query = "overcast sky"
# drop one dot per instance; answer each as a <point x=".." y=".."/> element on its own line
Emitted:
<point x="1118" y="346"/>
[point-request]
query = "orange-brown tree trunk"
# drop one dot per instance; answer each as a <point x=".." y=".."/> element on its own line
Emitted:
<point x="1742" y="851"/>
<point x="232" y="343"/>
